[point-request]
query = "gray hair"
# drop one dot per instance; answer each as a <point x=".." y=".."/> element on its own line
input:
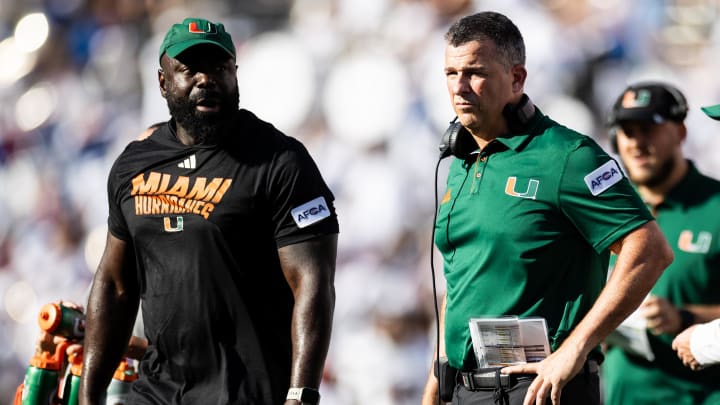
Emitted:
<point x="489" y="25"/>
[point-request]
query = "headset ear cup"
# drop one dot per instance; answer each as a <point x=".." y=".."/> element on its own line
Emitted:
<point x="518" y="115"/>
<point x="457" y="141"/>
<point x="447" y="142"/>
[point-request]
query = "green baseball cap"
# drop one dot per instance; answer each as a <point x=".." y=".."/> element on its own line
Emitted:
<point x="712" y="111"/>
<point x="195" y="31"/>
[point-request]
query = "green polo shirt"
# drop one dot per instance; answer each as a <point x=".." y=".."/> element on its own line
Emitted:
<point x="524" y="229"/>
<point x="690" y="220"/>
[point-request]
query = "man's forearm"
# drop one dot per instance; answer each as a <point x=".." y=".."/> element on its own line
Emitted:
<point x="309" y="268"/>
<point x="311" y="329"/>
<point x="432" y="385"/>
<point x="110" y="316"/>
<point x="642" y="257"/>
<point x="704" y="313"/>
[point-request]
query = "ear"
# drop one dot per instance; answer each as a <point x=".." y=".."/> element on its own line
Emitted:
<point x="164" y="62"/>
<point x="519" y="74"/>
<point x="682" y="133"/>
<point x="161" y="82"/>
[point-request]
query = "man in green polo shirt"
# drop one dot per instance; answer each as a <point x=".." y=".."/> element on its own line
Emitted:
<point x="530" y="215"/>
<point x="699" y="345"/>
<point x="648" y="132"/>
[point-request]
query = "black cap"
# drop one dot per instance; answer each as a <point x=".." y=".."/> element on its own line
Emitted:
<point x="652" y="102"/>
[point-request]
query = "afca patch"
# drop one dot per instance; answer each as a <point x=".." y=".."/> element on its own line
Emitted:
<point x="310" y="212"/>
<point x="603" y="177"/>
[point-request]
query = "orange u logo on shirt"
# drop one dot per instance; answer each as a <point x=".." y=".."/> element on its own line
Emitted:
<point x="167" y="225"/>
<point x="530" y="192"/>
<point x="701" y="245"/>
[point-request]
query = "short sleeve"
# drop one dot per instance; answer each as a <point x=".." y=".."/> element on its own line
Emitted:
<point x="597" y="197"/>
<point x="116" y="221"/>
<point x="302" y="205"/>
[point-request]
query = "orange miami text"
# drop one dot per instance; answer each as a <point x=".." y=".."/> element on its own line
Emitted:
<point x="155" y="195"/>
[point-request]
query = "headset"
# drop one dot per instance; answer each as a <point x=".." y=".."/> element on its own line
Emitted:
<point x="458" y="142"/>
<point x="678" y="111"/>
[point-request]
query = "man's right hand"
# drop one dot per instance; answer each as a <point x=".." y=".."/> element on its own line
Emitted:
<point x="431" y="391"/>
<point x="681" y="344"/>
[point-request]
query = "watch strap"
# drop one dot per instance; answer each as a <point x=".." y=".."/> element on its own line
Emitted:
<point x="305" y="395"/>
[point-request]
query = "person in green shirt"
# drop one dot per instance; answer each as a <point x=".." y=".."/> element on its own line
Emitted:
<point x="699" y="345"/>
<point x="531" y="212"/>
<point x="648" y="129"/>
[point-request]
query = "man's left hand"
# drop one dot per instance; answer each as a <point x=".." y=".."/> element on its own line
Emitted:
<point x="552" y="375"/>
<point x="661" y="315"/>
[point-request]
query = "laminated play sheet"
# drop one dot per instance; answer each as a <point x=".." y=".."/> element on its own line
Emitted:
<point x="508" y="340"/>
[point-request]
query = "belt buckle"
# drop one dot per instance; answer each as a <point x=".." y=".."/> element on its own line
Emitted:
<point x="468" y="381"/>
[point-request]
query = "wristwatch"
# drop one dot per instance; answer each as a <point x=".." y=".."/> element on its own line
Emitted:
<point x="306" y="396"/>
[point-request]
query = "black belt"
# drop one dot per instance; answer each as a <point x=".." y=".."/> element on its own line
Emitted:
<point x="484" y="379"/>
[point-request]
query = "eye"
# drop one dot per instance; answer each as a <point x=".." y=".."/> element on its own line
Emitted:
<point x="186" y="71"/>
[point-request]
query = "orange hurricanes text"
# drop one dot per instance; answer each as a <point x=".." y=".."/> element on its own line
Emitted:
<point x="155" y="195"/>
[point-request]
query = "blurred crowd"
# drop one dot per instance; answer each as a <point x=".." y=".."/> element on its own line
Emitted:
<point x="360" y="83"/>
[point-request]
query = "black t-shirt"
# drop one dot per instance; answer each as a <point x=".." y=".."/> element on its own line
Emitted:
<point x="205" y="223"/>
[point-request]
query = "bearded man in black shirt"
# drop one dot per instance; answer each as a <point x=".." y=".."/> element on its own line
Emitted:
<point x="224" y="229"/>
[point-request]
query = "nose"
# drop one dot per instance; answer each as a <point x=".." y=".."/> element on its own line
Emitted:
<point x="460" y="84"/>
<point x="204" y="79"/>
<point x="640" y="139"/>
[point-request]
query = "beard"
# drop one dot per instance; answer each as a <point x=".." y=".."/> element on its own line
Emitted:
<point x="204" y="127"/>
<point x="658" y="177"/>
